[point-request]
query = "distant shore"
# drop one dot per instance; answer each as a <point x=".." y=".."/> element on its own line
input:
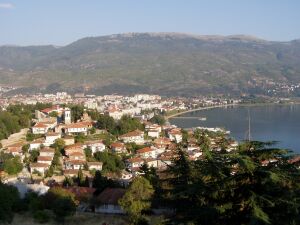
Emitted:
<point x="224" y="106"/>
<point x="198" y="109"/>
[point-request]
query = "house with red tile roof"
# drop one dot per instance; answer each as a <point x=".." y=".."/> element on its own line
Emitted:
<point x="77" y="128"/>
<point x="136" y="136"/>
<point x="74" y="164"/>
<point x="135" y="162"/>
<point x="70" y="172"/>
<point x="108" y="201"/>
<point x="118" y="147"/>
<point x="95" y="145"/>
<point x="175" y="135"/>
<point x="95" y="165"/>
<point x="147" y="152"/>
<point x="45" y="159"/>
<point x="39" y="167"/>
<point x="15" y="150"/>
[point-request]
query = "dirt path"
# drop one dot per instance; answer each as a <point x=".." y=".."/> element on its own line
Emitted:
<point x="15" y="138"/>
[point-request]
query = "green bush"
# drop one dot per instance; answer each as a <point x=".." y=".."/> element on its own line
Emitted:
<point x="41" y="216"/>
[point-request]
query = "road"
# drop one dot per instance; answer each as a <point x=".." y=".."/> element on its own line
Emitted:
<point x="15" y="138"/>
<point x="198" y="109"/>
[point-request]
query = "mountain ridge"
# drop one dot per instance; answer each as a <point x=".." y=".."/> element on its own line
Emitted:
<point x="164" y="63"/>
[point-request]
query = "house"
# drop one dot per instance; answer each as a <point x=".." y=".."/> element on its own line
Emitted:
<point x="48" y="152"/>
<point x="165" y="159"/>
<point x="147" y="152"/>
<point x="125" y="178"/>
<point x="115" y="113"/>
<point x="95" y="165"/>
<point x="134" y="163"/>
<point x="36" y="144"/>
<point x="44" y="126"/>
<point x="73" y="148"/>
<point x="136" y="136"/>
<point x="162" y="143"/>
<point x="118" y="147"/>
<point x="51" y="137"/>
<point x="39" y="167"/>
<point x="70" y="172"/>
<point x="154" y="133"/>
<point x="150" y="126"/>
<point x="95" y="146"/>
<point x="153" y="130"/>
<point x="40" y="128"/>
<point x="74" y="164"/>
<point x="15" y="149"/>
<point x="151" y="162"/>
<point x="55" y="108"/>
<point x="107" y="201"/>
<point x="77" y="128"/>
<point x="76" y="155"/>
<point x="83" y="195"/>
<point x="175" y="135"/>
<point x="45" y="160"/>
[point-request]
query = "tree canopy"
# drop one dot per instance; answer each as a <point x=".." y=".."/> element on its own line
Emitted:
<point x="253" y="185"/>
<point x="137" y="198"/>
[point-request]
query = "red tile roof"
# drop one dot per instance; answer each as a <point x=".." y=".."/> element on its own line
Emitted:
<point x="144" y="150"/>
<point x="44" y="158"/>
<point x="111" y="196"/>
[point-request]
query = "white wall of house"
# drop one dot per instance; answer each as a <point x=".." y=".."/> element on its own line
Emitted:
<point x="112" y="209"/>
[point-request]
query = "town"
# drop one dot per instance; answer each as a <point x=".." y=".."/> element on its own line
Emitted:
<point x="117" y="135"/>
<point x="95" y="148"/>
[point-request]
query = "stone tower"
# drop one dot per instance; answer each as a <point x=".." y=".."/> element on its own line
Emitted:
<point x="67" y="116"/>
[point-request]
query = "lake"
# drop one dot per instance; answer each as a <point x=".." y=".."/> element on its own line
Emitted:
<point x="268" y="122"/>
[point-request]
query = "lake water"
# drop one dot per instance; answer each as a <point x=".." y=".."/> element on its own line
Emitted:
<point x="268" y="123"/>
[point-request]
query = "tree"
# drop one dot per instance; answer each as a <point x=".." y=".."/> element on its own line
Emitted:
<point x="254" y="185"/>
<point x="13" y="165"/>
<point x="111" y="161"/>
<point x="127" y="124"/>
<point x="34" y="155"/>
<point x="25" y="148"/>
<point x="88" y="153"/>
<point x="76" y="112"/>
<point x="137" y="198"/>
<point x="61" y="202"/>
<point x="53" y="114"/>
<point x="9" y="198"/>
<point x="106" y="122"/>
<point x="101" y="182"/>
<point x="64" y="207"/>
<point x="59" y="144"/>
<point x="80" y="178"/>
<point x="158" y="119"/>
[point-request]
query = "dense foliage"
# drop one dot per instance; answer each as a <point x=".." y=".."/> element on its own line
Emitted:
<point x="124" y="125"/>
<point x="9" y="198"/>
<point x="17" y="117"/>
<point x="254" y="185"/>
<point x="158" y="119"/>
<point x="111" y="161"/>
<point x="137" y="198"/>
<point x="10" y="164"/>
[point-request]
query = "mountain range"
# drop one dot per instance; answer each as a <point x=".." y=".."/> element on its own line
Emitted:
<point x="159" y="63"/>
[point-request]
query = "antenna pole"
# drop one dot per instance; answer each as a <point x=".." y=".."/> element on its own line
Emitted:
<point x="249" y="126"/>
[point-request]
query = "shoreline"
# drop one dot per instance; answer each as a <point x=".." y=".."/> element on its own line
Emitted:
<point x="228" y="105"/>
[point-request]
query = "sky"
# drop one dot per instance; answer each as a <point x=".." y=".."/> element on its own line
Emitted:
<point x="60" y="22"/>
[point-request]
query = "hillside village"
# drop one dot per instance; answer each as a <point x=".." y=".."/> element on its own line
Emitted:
<point x="61" y="147"/>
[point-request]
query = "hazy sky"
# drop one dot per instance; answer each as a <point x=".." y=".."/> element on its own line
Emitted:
<point x="60" y="22"/>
